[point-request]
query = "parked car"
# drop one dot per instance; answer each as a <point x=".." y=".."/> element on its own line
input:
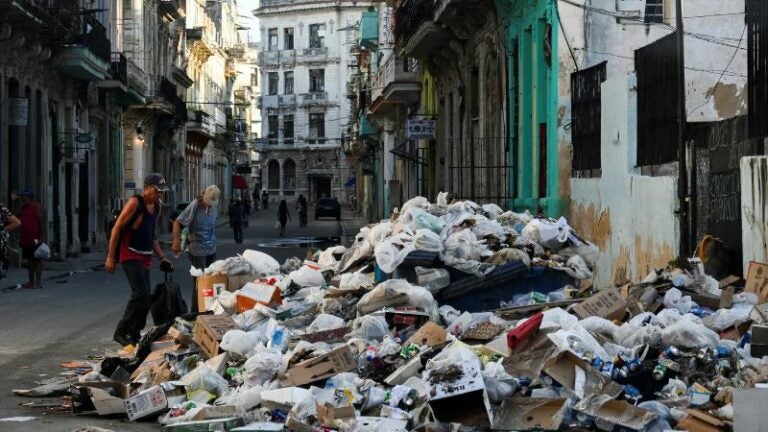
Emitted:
<point x="180" y="207"/>
<point x="328" y="207"/>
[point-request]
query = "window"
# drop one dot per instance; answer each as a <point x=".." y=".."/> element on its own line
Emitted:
<point x="317" y="80"/>
<point x="288" y="129"/>
<point x="272" y="39"/>
<point x="273" y="175"/>
<point x="288" y="85"/>
<point x="274" y="78"/>
<point x="289" y="175"/>
<point x="654" y="11"/>
<point x="585" y="114"/>
<point x="255" y="79"/>
<point x="272" y="128"/>
<point x="316" y="35"/>
<point x="288" y="38"/>
<point x="316" y="128"/>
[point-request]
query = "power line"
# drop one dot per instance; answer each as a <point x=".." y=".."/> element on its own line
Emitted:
<point x="565" y="36"/>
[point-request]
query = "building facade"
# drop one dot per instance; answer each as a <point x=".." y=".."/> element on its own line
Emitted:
<point x="304" y="64"/>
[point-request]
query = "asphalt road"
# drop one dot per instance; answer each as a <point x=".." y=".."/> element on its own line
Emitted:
<point x="74" y="317"/>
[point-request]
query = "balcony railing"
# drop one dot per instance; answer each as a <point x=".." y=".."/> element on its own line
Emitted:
<point x="394" y="70"/>
<point x="410" y="15"/>
<point x="169" y="91"/>
<point x="94" y="36"/>
<point x="118" y="67"/>
<point x="314" y="98"/>
<point x="269" y="58"/>
<point x="287" y="100"/>
<point x="314" y="54"/>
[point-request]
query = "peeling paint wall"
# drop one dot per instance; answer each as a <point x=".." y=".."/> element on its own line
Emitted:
<point x="754" y="209"/>
<point x="629" y="216"/>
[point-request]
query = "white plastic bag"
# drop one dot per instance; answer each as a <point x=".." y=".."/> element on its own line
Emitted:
<point x="417" y="202"/>
<point x="442" y="199"/>
<point x="557" y="318"/>
<point x="240" y="342"/>
<point x="371" y="327"/>
<point x="498" y="383"/>
<point x="424" y="220"/>
<point x="578" y="341"/>
<point x="325" y="322"/>
<point x="428" y="241"/>
<point x="307" y="277"/>
<point x="262" y="263"/>
<point x="355" y="280"/>
<point x="205" y="379"/>
<point x="493" y="210"/>
<point x="43" y="251"/>
<point x="433" y="279"/>
<point x="392" y="252"/>
<point x="630" y="336"/>
<point x="674" y="299"/>
<point x="724" y="318"/>
<point x="551" y="235"/>
<point x="689" y="332"/>
<point x="263" y="367"/>
<point x="328" y="257"/>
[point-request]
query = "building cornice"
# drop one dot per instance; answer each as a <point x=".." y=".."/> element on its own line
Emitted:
<point x="310" y="5"/>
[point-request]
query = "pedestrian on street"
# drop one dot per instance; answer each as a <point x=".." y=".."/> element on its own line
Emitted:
<point x="31" y="217"/>
<point x="133" y="243"/>
<point x="264" y="199"/>
<point x="200" y="220"/>
<point x="8" y="222"/>
<point x="255" y="196"/>
<point x="301" y="206"/>
<point x="236" y="219"/>
<point x="283" y="216"/>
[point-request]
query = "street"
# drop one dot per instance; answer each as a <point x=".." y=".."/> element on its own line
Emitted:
<point x="72" y="318"/>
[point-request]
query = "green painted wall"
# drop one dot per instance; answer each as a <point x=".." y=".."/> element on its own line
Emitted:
<point x="531" y="37"/>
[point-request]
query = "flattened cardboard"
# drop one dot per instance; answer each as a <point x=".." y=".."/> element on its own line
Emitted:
<point x="606" y="304"/>
<point x="618" y="412"/>
<point x="107" y="397"/>
<point x="463" y="400"/>
<point x="254" y="293"/>
<point x="757" y="280"/>
<point x="154" y="358"/>
<point x="726" y="298"/>
<point x="401" y="374"/>
<point x="564" y="367"/>
<point x="209" y="330"/>
<point x="322" y="367"/>
<point x="284" y="398"/>
<point x="749" y="410"/>
<point x="208" y="288"/>
<point x="698" y="421"/>
<point x="430" y="334"/>
<point x="327" y="336"/>
<point x="728" y="280"/>
<point x="522" y="413"/>
<point x="327" y="414"/>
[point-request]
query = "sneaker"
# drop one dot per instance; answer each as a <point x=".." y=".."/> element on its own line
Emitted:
<point x="124" y="340"/>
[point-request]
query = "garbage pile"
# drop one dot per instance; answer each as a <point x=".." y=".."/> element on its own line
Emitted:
<point x="446" y="317"/>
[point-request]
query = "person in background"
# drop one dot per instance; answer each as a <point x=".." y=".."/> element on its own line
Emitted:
<point x="31" y="216"/>
<point x="255" y="196"/>
<point x="236" y="219"/>
<point x="283" y="216"/>
<point x="133" y="238"/>
<point x="200" y="219"/>
<point x="301" y="206"/>
<point x="264" y="199"/>
<point x="8" y="222"/>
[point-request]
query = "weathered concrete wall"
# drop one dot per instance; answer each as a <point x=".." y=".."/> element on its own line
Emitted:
<point x="629" y="216"/>
<point x="754" y="209"/>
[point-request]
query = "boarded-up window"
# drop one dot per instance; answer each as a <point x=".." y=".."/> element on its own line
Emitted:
<point x="585" y="114"/>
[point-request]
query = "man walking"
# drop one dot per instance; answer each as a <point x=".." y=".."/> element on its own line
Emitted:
<point x="236" y="219"/>
<point x="200" y="220"/>
<point x="31" y="217"/>
<point x="133" y="240"/>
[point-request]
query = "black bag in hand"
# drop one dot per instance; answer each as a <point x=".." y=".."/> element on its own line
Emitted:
<point x="167" y="302"/>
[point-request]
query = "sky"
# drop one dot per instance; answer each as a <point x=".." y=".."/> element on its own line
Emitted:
<point x="246" y="18"/>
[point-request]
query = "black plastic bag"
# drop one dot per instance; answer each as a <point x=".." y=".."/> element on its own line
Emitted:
<point x="167" y="302"/>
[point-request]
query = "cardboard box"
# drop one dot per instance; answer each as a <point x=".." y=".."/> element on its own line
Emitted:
<point x="522" y="413"/>
<point x="208" y="288"/>
<point x="219" y="425"/>
<point x="209" y="331"/>
<point x="234" y="283"/>
<point x="155" y="358"/>
<point x="150" y="401"/>
<point x="757" y="280"/>
<point x="579" y="377"/>
<point x="698" y="421"/>
<point x="284" y="398"/>
<point x="327" y="414"/>
<point x="401" y="374"/>
<point x="463" y="400"/>
<point x="254" y="293"/>
<point x="618" y="412"/>
<point x="106" y="398"/>
<point x="315" y="369"/>
<point x="606" y="304"/>
<point x="327" y="336"/>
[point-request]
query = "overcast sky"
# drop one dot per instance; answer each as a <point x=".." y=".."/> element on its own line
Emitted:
<point x="246" y="18"/>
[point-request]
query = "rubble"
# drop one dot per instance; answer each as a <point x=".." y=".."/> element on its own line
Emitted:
<point x="447" y="317"/>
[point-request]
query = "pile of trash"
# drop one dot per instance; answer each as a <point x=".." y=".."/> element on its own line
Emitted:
<point x="446" y="317"/>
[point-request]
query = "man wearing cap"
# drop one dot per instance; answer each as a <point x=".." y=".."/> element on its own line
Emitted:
<point x="133" y="239"/>
<point x="31" y="216"/>
<point x="200" y="219"/>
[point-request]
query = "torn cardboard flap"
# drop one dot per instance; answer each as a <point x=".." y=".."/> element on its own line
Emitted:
<point x="327" y="414"/>
<point x="284" y="398"/>
<point x="318" y="368"/>
<point x="327" y="336"/>
<point x="757" y="280"/>
<point x="614" y="411"/>
<point x="607" y="304"/>
<point x="579" y="377"/>
<point x="462" y="400"/>
<point x="430" y="334"/>
<point x="523" y="413"/>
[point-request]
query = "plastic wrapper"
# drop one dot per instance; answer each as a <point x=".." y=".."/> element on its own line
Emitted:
<point x="498" y="383"/>
<point x="325" y="322"/>
<point x="577" y="268"/>
<point x="488" y="228"/>
<point x="263" y="367"/>
<point x="243" y="398"/>
<point x="196" y="272"/>
<point x="601" y="326"/>
<point x="418" y="202"/>
<point x="724" y="318"/>
<point x="356" y="253"/>
<point x="689" y="332"/>
<point x="492" y="210"/>
<point x="355" y="280"/>
<point x="557" y="318"/>
<point x="746" y="298"/>
<point x="674" y="299"/>
<point x="262" y="263"/>
<point x="204" y="379"/>
<point x="433" y="279"/>
<point x="371" y="327"/>
<point x="454" y="355"/>
<point x="379" y="233"/>
<point x="392" y="252"/>
<point x="240" y="342"/>
<point x="508" y="255"/>
<point x="428" y="241"/>
<point x="307" y="277"/>
<point x="578" y="341"/>
<point x="630" y="336"/>
<point x="448" y="314"/>
<point x="442" y="199"/>
<point x="344" y="387"/>
<point x="249" y="319"/>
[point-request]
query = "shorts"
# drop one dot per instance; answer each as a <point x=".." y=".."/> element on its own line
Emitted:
<point x="28" y="252"/>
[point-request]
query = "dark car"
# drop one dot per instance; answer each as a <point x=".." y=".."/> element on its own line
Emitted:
<point x="328" y="207"/>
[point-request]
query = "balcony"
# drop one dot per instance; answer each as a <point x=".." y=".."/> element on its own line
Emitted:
<point x="269" y="59"/>
<point x="119" y="81"/>
<point x="314" y="55"/>
<point x="170" y="9"/>
<point x="369" y="30"/>
<point x="230" y="70"/>
<point x="169" y="91"/>
<point x="200" y="123"/>
<point x="269" y="102"/>
<point x="314" y="99"/>
<point x="396" y="83"/>
<point x="88" y="56"/>
<point x="237" y="51"/>
<point x="416" y="30"/>
<point x="181" y="77"/>
<point x="201" y="42"/>
<point x="288" y="101"/>
<point x="287" y="58"/>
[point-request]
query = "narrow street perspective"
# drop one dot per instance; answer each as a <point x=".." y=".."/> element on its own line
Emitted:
<point x="401" y="215"/>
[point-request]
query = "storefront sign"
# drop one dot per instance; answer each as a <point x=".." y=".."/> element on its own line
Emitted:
<point x="421" y="129"/>
<point x="18" y="111"/>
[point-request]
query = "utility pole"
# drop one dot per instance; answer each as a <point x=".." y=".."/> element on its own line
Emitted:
<point x="682" y="154"/>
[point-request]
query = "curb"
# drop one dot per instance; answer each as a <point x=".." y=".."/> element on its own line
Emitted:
<point x="57" y="276"/>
